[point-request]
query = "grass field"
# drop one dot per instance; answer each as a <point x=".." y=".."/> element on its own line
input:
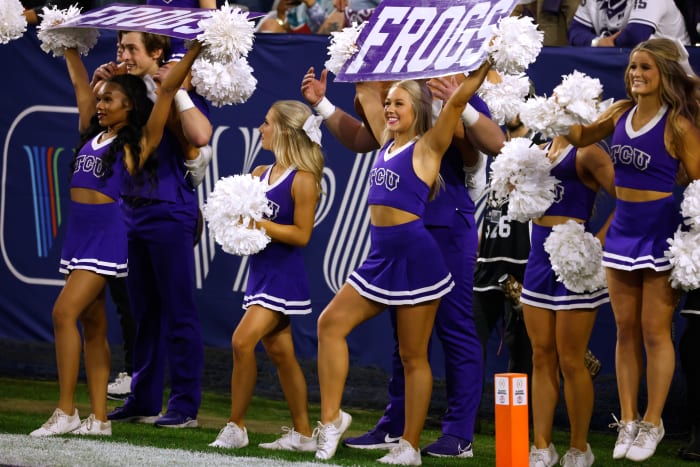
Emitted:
<point x="26" y="404"/>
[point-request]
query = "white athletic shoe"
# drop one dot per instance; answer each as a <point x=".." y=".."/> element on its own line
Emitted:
<point x="577" y="458"/>
<point x="231" y="437"/>
<point x="403" y="454"/>
<point x="626" y="434"/>
<point x="59" y="423"/>
<point x="120" y="388"/>
<point x="648" y="437"/>
<point x="93" y="427"/>
<point x="546" y="457"/>
<point x="329" y="436"/>
<point x="291" y="440"/>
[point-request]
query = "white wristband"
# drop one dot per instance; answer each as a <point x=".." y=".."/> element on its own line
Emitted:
<point x="470" y="115"/>
<point x="183" y="101"/>
<point x="324" y="108"/>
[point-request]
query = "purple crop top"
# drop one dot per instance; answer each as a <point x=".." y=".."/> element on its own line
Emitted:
<point x="393" y="182"/>
<point x="573" y="198"/>
<point x="640" y="157"/>
<point x="88" y="169"/>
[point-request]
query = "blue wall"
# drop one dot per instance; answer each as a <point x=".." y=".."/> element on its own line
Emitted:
<point x="38" y="128"/>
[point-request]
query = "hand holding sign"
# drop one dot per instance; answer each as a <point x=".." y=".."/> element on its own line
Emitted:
<point x="57" y="40"/>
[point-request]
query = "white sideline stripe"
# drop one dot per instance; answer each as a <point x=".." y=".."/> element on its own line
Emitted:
<point x="62" y="451"/>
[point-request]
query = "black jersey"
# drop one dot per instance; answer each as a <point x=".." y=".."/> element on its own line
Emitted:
<point x="504" y="244"/>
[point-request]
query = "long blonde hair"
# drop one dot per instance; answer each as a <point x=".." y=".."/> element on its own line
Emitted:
<point x="677" y="89"/>
<point x="421" y="100"/>
<point x="291" y="145"/>
<point x="422" y="104"/>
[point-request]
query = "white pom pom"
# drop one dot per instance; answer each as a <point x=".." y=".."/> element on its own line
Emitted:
<point x="520" y="174"/>
<point x="57" y="40"/>
<point x="576" y="257"/>
<point x="576" y="101"/>
<point x="516" y="44"/>
<point x="343" y="46"/>
<point x="684" y="256"/>
<point x="227" y="33"/>
<point x="690" y="206"/>
<point x="235" y="203"/>
<point x="504" y="99"/>
<point x="579" y="95"/>
<point x="12" y="21"/>
<point x="545" y="116"/>
<point x="223" y="83"/>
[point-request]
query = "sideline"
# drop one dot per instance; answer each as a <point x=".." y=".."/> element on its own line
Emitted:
<point x="59" y="451"/>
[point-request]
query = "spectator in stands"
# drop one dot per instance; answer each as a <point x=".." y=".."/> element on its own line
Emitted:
<point x="296" y="16"/>
<point x="121" y="128"/>
<point x="33" y="11"/>
<point x="691" y="13"/>
<point x="626" y="23"/>
<point x="552" y="16"/>
<point x="277" y="287"/>
<point x="657" y="123"/>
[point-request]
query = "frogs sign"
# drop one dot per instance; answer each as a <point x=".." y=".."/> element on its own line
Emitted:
<point x="421" y="39"/>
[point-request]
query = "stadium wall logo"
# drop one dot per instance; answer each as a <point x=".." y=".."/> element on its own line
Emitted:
<point x="35" y="174"/>
<point x="349" y="242"/>
<point x="46" y="194"/>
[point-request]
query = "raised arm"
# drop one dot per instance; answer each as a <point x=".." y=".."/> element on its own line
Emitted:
<point x="350" y="131"/>
<point x="153" y="132"/>
<point x="438" y="138"/>
<point x="482" y="133"/>
<point x="585" y="135"/>
<point x="84" y="97"/>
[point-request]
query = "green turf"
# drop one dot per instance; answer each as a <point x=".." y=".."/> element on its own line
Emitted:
<point x="25" y="405"/>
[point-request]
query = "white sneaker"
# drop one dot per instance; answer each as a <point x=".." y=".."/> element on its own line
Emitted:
<point x="329" y="436"/>
<point x="291" y="440"/>
<point x="197" y="168"/>
<point x="546" y="457"/>
<point x="120" y="388"/>
<point x="403" y="454"/>
<point x="93" y="427"/>
<point x="231" y="437"/>
<point x="648" y="437"/>
<point x="58" y="423"/>
<point x="576" y="458"/>
<point x="626" y="433"/>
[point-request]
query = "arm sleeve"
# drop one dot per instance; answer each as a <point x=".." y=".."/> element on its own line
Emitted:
<point x="633" y="34"/>
<point x="580" y="34"/>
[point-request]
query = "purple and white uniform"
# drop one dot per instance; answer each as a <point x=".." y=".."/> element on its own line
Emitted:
<point x="449" y="218"/>
<point x="637" y="237"/>
<point x="573" y="199"/>
<point x="404" y="265"/>
<point x="277" y="277"/>
<point x="96" y="233"/>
